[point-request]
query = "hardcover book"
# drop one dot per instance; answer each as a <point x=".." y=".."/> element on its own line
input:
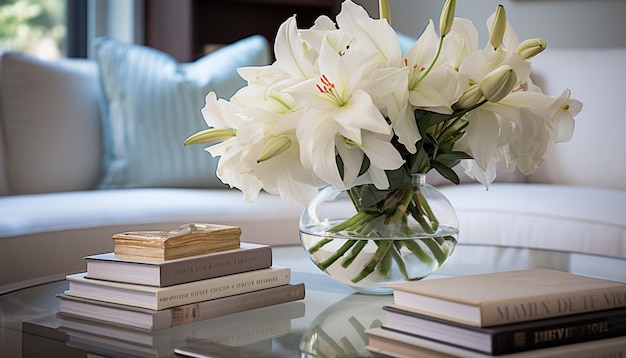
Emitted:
<point x="515" y="337"/>
<point x="238" y="329"/>
<point x="188" y="240"/>
<point x="158" y="298"/>
<point x="499" y="298"/>
<point x="154" y="320"/>
<point x="163" y="273"/>
<point x="395" y="344"/>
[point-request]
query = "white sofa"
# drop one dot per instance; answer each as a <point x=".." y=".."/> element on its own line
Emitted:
<point x="66" y="182"/>
<point x="70" y="175"/>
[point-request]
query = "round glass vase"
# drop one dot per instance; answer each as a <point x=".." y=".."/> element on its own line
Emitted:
<point x="369" y="239"/>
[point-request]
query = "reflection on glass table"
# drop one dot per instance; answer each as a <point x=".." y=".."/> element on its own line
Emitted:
<point x="329" y="322"/>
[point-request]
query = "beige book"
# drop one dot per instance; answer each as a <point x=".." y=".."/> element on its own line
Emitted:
<point x="160" y="298"/>
<point x="188" y="240"/>
<point x="499" y="298"/>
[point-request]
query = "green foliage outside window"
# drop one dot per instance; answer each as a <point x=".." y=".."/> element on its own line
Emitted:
<point x="33" y="26"/>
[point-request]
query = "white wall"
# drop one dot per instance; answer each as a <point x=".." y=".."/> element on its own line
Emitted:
<point x="562" y="23"/>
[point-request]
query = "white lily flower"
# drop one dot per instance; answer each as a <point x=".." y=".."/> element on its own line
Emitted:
<point x="485" y="177"/>
<point x="339" y="111"/>
<point x="563" y="110"/>
<point x="291" y="55"/>
<point x="231" y="168"/>
<point x="370" y="35"/>
<point x="338" y="107"/>
<point x="460" y="41"/>
<point x="438" y="89"/>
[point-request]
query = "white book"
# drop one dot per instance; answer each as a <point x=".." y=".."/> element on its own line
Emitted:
<point x="159" y="298"/>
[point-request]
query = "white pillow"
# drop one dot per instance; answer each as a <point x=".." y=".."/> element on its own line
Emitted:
<point x="51" y="124"/>
<point x="154" y="103"/>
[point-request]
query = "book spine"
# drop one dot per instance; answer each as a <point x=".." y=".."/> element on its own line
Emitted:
<point x="512" y="311"/>
<point x="554" y="335"/>
<point x="215" y="266"/>
<point x="195" y="312"/>
<point x="218" y="287"/>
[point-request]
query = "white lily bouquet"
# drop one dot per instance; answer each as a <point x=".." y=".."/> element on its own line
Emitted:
<point x="343" y="106"/>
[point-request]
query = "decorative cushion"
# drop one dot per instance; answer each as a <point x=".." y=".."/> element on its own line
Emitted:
<point x="154" y="103"/>
<point x="52" y="137"/>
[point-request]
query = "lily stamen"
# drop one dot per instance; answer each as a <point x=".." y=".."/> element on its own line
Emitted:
<point x="519" y="87"/>
<point x="328" y="87"/>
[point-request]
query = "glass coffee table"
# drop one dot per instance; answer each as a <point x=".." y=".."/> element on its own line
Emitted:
<point x="329" y="322"/>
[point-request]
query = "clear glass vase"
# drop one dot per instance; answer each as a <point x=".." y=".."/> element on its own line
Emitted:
<point x="369" y="239"/>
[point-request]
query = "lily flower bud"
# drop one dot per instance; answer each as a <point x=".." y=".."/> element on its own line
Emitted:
<point x="273" y="147"/>
<point x="385" y="11"/>
<point x="470" y="97"/>
<point x="498" y="83"/>
<point x="447" y="17"/>
<point x="210" y="136"/>
<point x="530" y="48"/>
<point x="498" y="27"/>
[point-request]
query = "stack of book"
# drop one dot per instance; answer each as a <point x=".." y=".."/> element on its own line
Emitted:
<point x="540" y="312"/>
<point x="156" y="280"/>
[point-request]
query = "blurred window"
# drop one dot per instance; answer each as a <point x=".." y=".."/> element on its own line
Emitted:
<point x="48" y="29"/>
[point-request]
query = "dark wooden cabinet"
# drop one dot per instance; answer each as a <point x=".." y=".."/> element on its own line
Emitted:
<point x="186" y="28"/>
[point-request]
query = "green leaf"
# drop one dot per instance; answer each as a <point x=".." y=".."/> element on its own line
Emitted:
<point x="399" y="177"/>
<point x="445" y="171"/>
<point x="420" y="161"/>
<point x="371" y="199"/>
<point x="428" y="119"/>
<point x="339" y="165"/>
<point x="365" y="165"/>
<point x="451" y="159"/>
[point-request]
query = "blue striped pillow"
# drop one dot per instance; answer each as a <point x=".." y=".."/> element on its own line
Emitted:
<point x="152" y="103"/>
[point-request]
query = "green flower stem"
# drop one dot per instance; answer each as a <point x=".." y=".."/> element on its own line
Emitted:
<point x="385" y="264"/>
<point x="424" y="214"/>
<point x="395" y="252"/>
<point x="355" y="220"/>
<point x="401" y="208"/>
<point x="353" y="253"/>
<point x="415" y="248"/>
<point x="337" y="254"/>
<point x="318" y="245"/>
<point x="429" y="212"/>
<point x="433" y="245"/>
<point x="383" y="247"/>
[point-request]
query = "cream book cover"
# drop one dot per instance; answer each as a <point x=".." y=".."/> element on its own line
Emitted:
<point x="492" y="299"/>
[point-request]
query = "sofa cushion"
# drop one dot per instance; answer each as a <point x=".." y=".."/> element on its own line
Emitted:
<point x="154" y="103"/>
<point x="542" y="216"/>
<point x="52" y="137"/>
<point x="594" y="155"/>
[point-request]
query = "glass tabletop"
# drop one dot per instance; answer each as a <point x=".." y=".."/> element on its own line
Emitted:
<point x="329" y="322"/>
